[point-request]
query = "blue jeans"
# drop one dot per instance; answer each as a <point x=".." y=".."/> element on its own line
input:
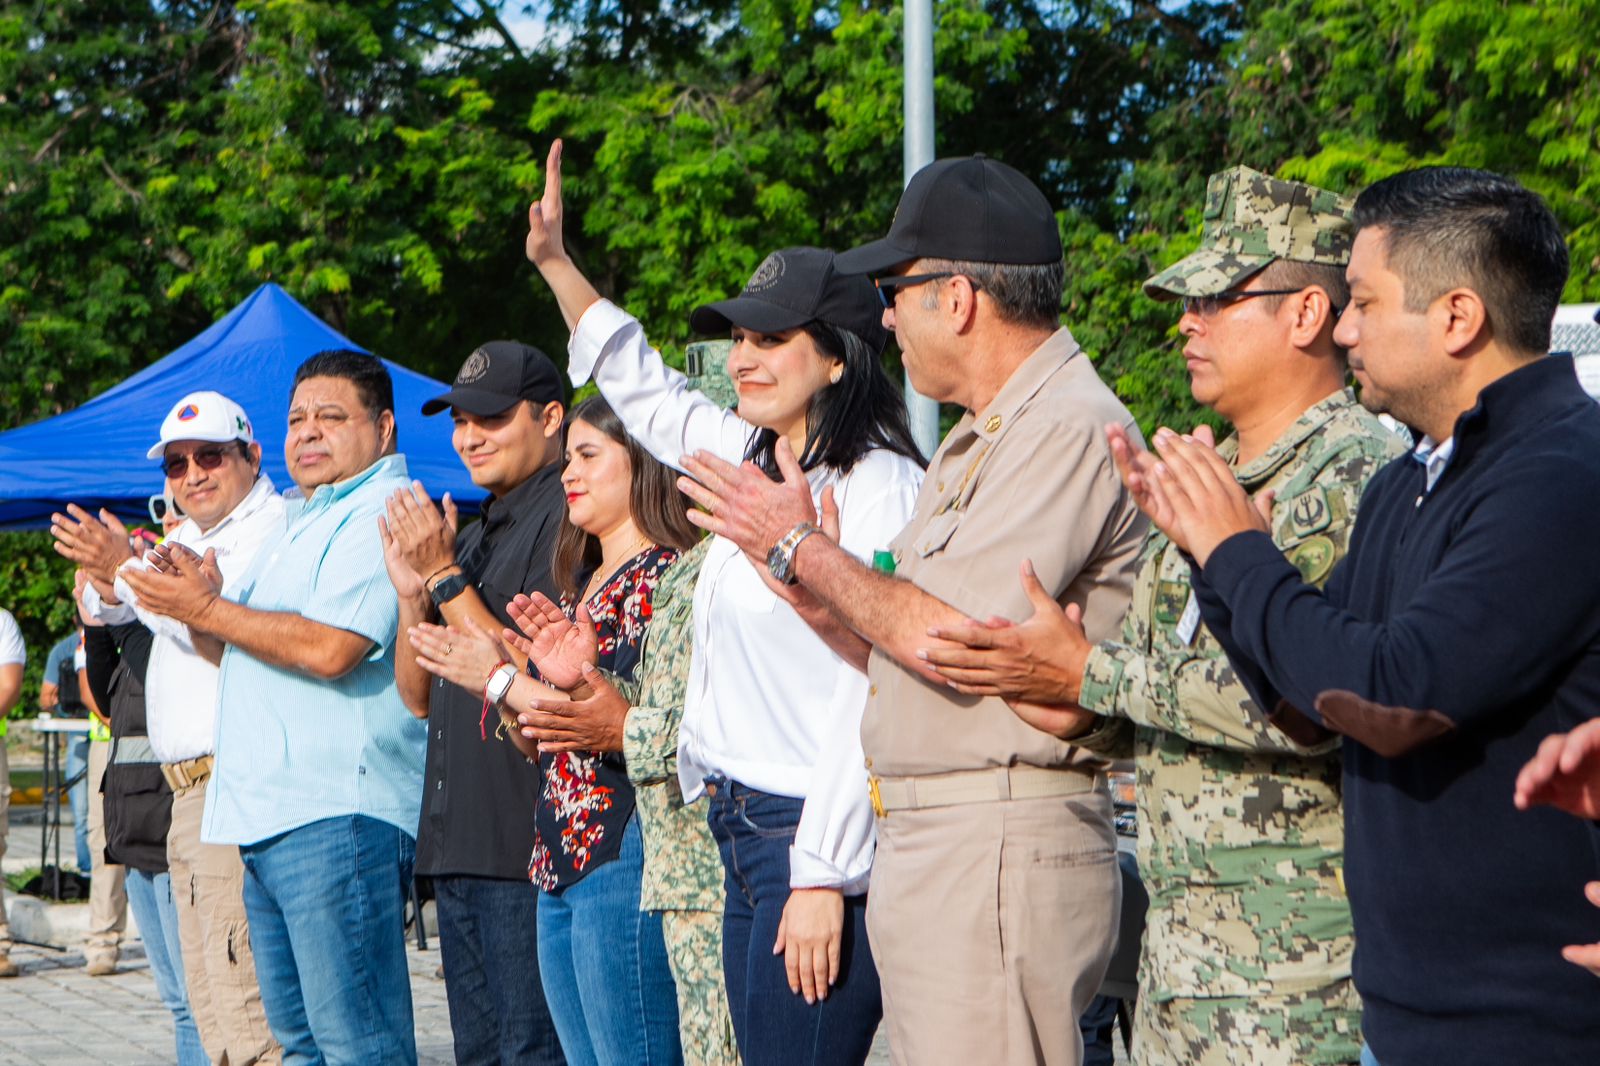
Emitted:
<point x="604" y="966"/>
<point x="78" y="797"/>
<point x="326" y="903"/>
<point x="774" y="1026"/>
<point x="491" y="972"/>
<point x="150" y="899"/>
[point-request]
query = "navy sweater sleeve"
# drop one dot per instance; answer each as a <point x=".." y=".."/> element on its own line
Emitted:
<point x="1480" y="633"/>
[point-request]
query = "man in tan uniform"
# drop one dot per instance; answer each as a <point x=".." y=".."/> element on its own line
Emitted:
<point x="995" y="891"/>
<point x="1248" y="941"/>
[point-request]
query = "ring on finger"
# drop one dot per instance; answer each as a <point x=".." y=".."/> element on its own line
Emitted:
<point x="448" y="648"/>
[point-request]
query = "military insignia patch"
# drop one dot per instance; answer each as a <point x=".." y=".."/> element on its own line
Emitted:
<point x="767" y="274"/>
<point x="1309" y="513"/>
<point x="475" y="367"/>
<point x="1314" y="558"/>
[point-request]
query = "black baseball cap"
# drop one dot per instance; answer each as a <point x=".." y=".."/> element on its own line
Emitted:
<point x="971" y="208"/>
<point x="794" y="286"/>
<point x="497" y="375"/>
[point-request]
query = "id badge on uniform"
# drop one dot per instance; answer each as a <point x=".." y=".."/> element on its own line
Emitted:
<point x="1189" y="624"/>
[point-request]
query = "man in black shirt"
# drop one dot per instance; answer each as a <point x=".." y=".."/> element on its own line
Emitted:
<point x="479" y="792"/>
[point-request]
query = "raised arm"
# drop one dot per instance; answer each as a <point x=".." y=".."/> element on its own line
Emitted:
<point x="608" y="344"/>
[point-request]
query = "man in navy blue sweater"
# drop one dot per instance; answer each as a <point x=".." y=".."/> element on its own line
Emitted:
<point x="1461" y="630"/>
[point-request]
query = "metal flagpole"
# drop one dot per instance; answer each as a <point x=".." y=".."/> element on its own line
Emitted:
<point x="918" y="153"/>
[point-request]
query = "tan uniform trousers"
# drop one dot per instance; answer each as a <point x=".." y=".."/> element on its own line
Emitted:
<point x="220" y="971"/>
<point x="992" y="925"/>
<point x="108" y="894"/>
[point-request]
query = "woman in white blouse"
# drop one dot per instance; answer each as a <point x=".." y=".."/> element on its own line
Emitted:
<point x="771" y="724"/>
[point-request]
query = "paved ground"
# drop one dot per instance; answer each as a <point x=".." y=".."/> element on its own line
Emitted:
<point x="57" y="1014"/>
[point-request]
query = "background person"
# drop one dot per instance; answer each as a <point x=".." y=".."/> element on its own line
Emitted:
<point x="61" y="689"/>
<point x="138" y="813"/>
<point x="13" y="657"/>
<point x="776" y="683"/>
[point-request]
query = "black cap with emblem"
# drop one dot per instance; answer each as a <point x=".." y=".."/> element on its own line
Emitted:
<point x="794" y="286"/>
<point x="497" y="375"/>
<point x="969" y="208"/>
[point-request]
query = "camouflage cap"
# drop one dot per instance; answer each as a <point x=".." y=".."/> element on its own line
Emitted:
<point x="1252" y="219"/>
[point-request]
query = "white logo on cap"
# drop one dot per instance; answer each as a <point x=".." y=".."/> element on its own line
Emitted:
<point x="475" y="367"/>
<point x="767" y="274"/>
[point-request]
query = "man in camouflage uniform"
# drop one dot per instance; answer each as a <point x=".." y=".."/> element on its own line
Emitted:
<point x="683" y="872"/>
<point x="1248" y="941"/>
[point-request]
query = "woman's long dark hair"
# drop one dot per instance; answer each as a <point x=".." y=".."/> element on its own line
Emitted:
<point x="657" y="507"/>
<point x="863" y="410"/>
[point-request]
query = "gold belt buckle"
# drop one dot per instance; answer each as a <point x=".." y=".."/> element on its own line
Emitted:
<point x="877" y="797"/>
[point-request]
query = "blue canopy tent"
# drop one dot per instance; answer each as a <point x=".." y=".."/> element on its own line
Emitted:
<point x="94" y="455"/>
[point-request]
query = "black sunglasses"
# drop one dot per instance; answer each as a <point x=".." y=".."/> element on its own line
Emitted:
<point x="205" y="459"/>
<point x="1206" y="306"/>
<point x="893" y="283"/>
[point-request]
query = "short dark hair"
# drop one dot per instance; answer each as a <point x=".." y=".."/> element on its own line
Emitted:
<point x="1293" y="274"/>
<point x="1454" y="226"/>
<point x="1028" y="294"/>
<point x="658" y="509"/>
<point x="367" y="372"/>
<point x="859" y="413"/>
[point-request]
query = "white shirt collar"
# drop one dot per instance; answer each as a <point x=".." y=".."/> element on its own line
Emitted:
<point x="1434" y="456"/>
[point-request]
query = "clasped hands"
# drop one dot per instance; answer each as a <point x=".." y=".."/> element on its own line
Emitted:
<point x="419" y="542"/>
<point x="98" y="544"/>
<point x="747" y="507"/>
<point x="565" y="652"/>
<point x="1188" y="491"/>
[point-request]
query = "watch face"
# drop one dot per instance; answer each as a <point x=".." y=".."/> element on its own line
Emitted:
<point x="449" y="588"/>
<point x="778" y="562"/>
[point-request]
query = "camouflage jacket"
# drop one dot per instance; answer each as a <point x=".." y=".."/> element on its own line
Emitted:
<point x="682" y="869"/>
<point x="1241" y="834"/>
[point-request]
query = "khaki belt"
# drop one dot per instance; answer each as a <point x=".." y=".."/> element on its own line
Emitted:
<point x="188" y="773"/>
<point x="978" y="786"/>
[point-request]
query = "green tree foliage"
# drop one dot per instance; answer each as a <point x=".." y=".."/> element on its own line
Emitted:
<point x="159" y="159"/>
<point x="36" y="587"/>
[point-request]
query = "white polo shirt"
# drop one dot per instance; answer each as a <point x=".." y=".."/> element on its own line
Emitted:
<point x="180" y="685"/>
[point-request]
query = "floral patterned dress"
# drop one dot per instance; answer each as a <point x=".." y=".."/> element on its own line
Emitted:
<point x="586" y="799"/>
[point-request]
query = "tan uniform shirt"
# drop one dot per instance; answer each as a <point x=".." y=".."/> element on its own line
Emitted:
<point x="1029" y="477"/>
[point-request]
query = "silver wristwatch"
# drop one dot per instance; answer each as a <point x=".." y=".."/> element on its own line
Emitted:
<point x="780" y="560"/>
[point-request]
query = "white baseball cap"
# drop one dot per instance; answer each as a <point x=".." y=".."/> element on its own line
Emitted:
<point x="203" y="416"/>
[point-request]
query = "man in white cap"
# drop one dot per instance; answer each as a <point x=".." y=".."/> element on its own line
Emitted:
<point x="212" y="465"/>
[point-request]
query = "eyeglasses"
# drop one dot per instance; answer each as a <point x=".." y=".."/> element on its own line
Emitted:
<point x="159" y="507"/>
<point x="205" y="459"/>
<point x="1206" y="306"/>
<point x="893" y="283"/>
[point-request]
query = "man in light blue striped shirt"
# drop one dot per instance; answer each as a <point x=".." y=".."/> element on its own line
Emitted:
<point x="318" y="773"/>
